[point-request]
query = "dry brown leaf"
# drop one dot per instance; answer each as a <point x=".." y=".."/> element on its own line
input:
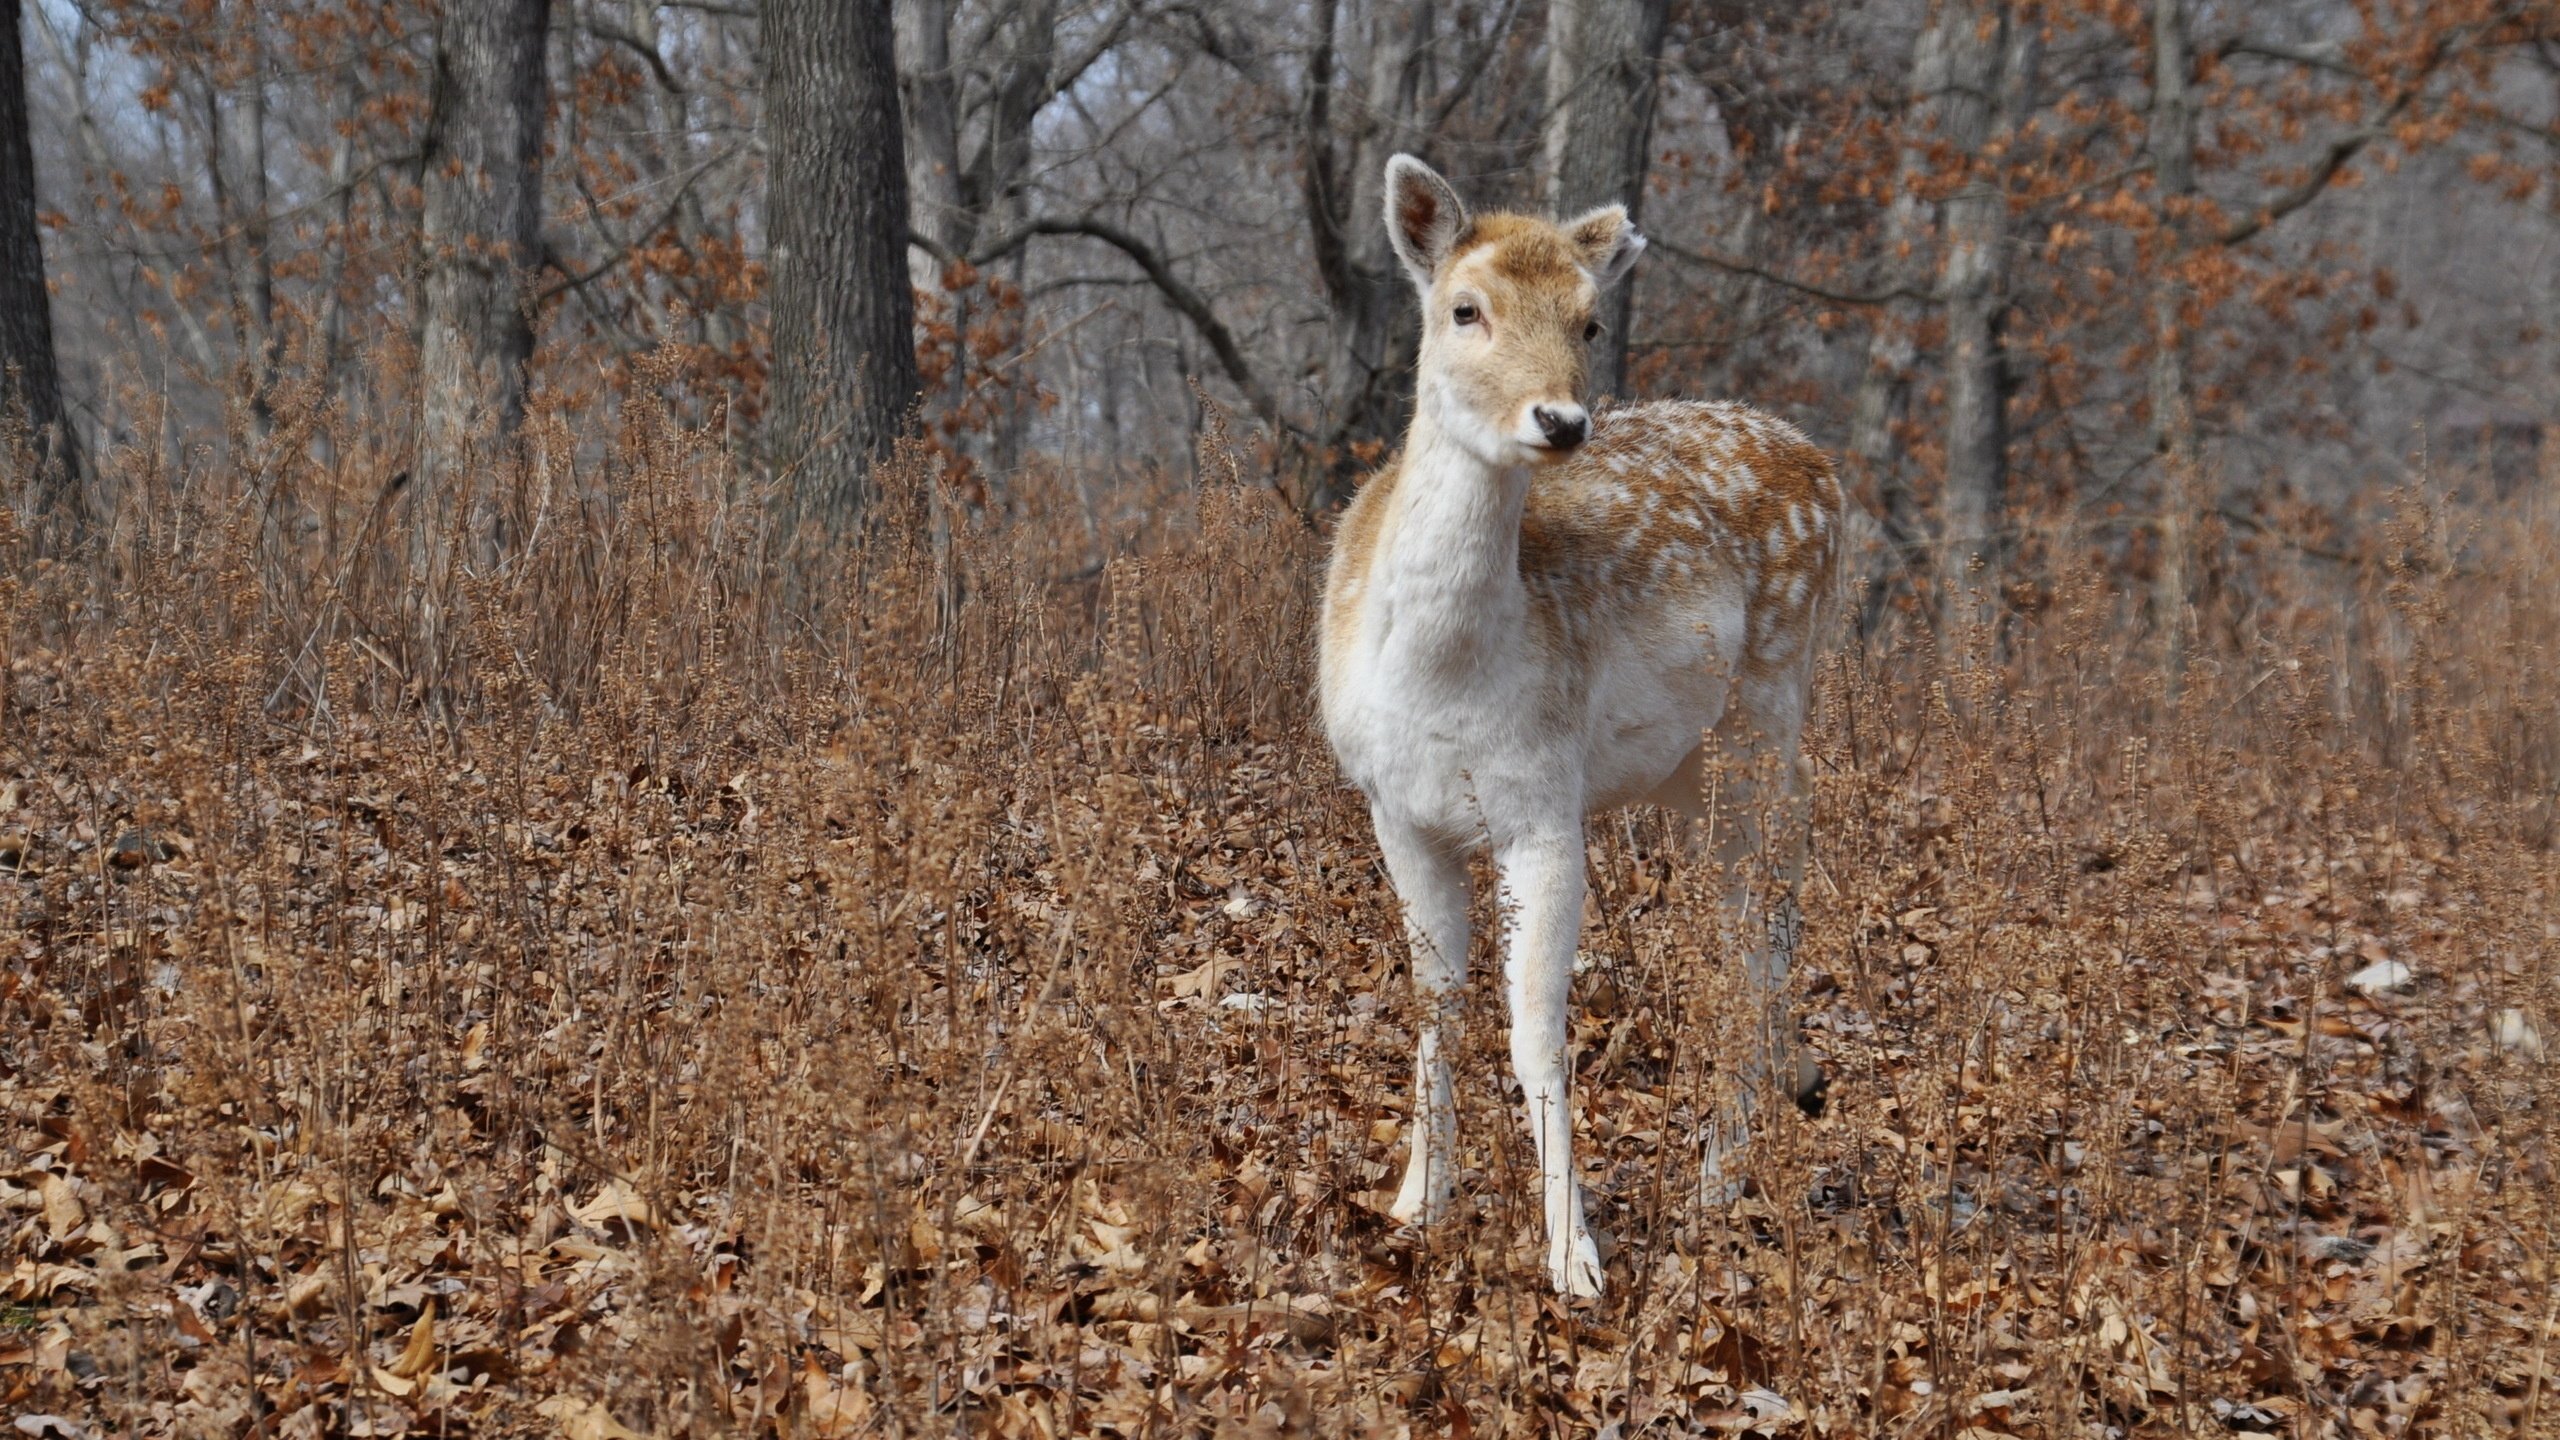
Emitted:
<point x="33" y="1280"/>
<point x="420" y="1353"/>
<point x="63" y="1211"/>
<point x="582" y="1419"/>
<point x="1202" y="981"/>
<point x="619" y="1203"/>
<point x="1299" y="1316"/>
<point x="304" y="1295"/>
<point x="833" y="1409"/>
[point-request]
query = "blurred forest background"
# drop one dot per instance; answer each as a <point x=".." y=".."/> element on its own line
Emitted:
<point x="2124" y="283"/>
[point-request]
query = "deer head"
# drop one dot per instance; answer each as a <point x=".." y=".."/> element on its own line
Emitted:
<point x="1507" y="305"/>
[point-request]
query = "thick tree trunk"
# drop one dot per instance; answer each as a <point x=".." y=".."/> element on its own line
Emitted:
<point x="2173" y="173"/>
<point x="29" y="385"/>
<point x="844" y="359"/>
<point x="481" y="170"/>
<point x="1883" y="398"/>
<point x="932" y="90"/>
<point x="1368" y="374"/>
<point x="1989" y="58"/>
<point x="1602" y="59"/>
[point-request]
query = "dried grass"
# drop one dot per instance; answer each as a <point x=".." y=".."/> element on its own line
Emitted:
<point x="951" y="992"/>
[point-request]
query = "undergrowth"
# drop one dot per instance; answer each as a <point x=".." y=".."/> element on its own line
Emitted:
<point x="937" y="983"/>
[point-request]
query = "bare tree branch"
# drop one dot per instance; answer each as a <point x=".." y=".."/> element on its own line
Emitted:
<point x="1194" y="306"/>
<point x="573" y="279"/>
<point x="2332" y="160"/>
<point x="1472" y="69"/>
<point x="604" y="30"/>
<point x="1735" y="265"/>
<point x="1072" y="69"/>
<point x="2316" y="58"/>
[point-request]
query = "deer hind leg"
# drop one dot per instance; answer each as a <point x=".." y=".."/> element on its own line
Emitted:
<point x="1431" y="879"/>
<point x="1759" y="815"/>
<point x="1542" y="887"/>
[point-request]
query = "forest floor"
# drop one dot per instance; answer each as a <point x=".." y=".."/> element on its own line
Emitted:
<point x="979" y="1010"/>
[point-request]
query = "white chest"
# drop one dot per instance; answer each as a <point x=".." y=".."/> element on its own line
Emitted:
<point x="1441" y="704"/>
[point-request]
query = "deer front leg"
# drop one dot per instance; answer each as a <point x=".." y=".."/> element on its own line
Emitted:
<point x="1432" y="882"/>
<point x="1542" y="892"/>
<point x="1762" y="826"/>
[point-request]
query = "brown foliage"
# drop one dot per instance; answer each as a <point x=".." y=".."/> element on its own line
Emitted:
<point x="971" y="1002"/>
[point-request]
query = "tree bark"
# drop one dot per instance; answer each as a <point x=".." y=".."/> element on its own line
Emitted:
<point x="844" y="359"/>
<point x="962" y="197"/>
<point x="1883" y="397"/>
<point x="1603" y="58"/>
<point x="1368" y="384"/>
<point x="29" y="383"/>
<point x="1990" y="60"/>
<point x="2173" y="172"/>
<point x="481" y="171"/>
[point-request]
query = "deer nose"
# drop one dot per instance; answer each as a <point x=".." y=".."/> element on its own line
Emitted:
<point x="1564" y="426"/>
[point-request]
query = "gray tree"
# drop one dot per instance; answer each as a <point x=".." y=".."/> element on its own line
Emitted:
<point x="28" y="383"/>
<point x="844" y="359"/>
<point x="481" y="174"/>
<point x="1989" y="59"/>
<point x="1603" y="64"/>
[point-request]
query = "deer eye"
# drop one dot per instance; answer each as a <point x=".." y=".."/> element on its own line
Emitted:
<point x="1591" y="330"/>
<point x="1466" y="314"/>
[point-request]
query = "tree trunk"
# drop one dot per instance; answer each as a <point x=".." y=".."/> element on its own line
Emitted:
<point x="1368" y="384"/>
<point x="1990" y="60"/>
<point x="931" y="85"/>
<point x="2173" y="172"/>
<point x="1883" y="396"/>
<point x="28" y="382"/>
<point x="963" y="196"/>
<point x="844" y="359"/>
<point x="1602" y="58"/>
<point x="481" y="171"/>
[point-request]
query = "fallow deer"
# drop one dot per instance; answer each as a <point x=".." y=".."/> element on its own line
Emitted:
<point x="1532" y="615"/>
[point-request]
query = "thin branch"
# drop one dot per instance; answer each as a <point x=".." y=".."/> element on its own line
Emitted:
<point x="941" y="253"/>
<point x="1065" y="283"/>
<point x="1473" y="68"/>
<point x="2323" y="58"/>
<point x="646" y="51"/>
<point x="1735" y="265"/>
<point x="571" y="280"/>
<point x="1066" y="75"/>
<point x="1194" y="306"/>
<point x="1206" y="38"/>
<point x="2332" y="160"/>
<point x="2547" y="134"/>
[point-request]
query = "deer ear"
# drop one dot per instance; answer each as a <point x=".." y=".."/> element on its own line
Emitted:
<point x="1424" y="217"/>
<point x="1608" y="243"/>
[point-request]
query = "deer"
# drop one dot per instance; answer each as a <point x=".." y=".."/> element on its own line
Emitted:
<point x="1534" y="614"/>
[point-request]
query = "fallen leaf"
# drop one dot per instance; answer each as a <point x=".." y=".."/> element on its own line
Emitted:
<point x="582" y="1419"/>
<point x="834" y="1409"/>
<point x="62" y="1209"/>
<point x="618" y="1203"/>
<point x="420" y="1353"/>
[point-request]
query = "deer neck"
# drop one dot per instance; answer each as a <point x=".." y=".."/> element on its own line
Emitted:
<point x="1452" y="571"/>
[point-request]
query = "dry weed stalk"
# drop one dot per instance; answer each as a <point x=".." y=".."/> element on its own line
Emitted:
<point x="688" y="1004"/>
